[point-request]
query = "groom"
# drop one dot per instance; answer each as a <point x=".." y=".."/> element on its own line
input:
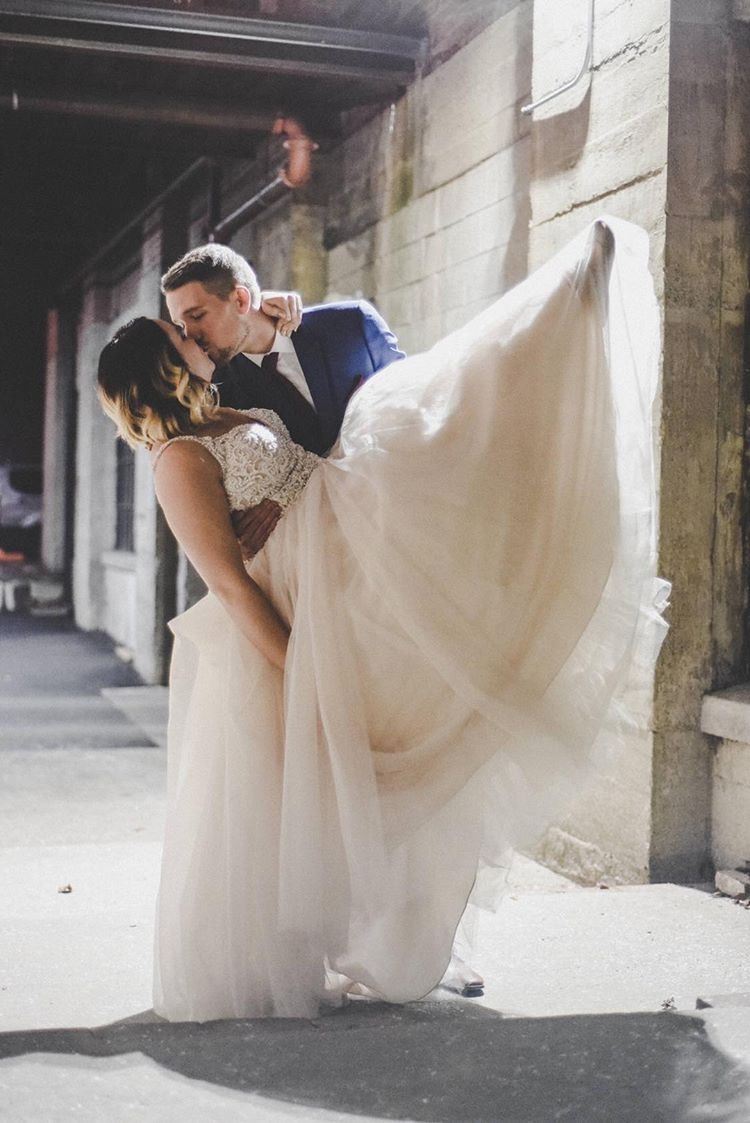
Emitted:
<point x="213" y="297"/>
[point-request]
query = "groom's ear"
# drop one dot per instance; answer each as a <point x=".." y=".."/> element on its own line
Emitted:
<point x="244" y="300"/>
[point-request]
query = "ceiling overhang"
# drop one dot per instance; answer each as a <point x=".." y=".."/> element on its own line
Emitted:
<point x="238" y="28"/>
<point x="84" y="58"/>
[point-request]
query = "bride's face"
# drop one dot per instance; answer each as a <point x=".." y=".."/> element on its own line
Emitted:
<point x="194" y="357"/>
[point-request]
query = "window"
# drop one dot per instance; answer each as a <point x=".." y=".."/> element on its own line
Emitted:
<point x="124" y="528"/>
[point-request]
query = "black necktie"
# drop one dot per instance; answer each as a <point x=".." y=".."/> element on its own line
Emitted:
<point x="270" y="362"/>
<point x="276" y="392"/>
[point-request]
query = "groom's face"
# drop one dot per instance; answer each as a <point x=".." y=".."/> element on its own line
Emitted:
<point x="218" y="325"/>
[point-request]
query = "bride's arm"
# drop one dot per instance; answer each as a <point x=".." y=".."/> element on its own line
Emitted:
<point x="189" y="489"/>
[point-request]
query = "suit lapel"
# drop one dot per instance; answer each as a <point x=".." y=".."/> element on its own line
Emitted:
<point x="315" y="369"/>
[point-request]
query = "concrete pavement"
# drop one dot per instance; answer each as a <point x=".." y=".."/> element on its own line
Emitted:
<point x="590" y="1011"/>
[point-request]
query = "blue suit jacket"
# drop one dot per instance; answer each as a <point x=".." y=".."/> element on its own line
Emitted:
<point x="338" y="346"/>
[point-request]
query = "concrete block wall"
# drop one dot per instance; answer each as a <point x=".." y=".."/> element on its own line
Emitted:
<point x="286" y="248"/>
<point x="285" y="243"/>
<point x="448" y="198"/>
<point x="603" y="148"/>
<point x="429" y="213"/>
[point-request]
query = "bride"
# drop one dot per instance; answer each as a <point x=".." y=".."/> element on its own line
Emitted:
<point x="439" y="643"/>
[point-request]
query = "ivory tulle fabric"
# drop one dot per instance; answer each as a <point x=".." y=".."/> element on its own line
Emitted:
<point x="471" y="587"/>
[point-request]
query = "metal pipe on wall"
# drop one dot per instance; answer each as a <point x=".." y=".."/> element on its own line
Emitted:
<point x="586" y="65"/>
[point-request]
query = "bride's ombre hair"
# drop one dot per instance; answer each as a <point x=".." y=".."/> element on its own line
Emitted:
<point x="146" y="388"/>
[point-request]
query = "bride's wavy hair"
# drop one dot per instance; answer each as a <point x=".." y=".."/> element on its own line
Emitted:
<point x="146" y="388"/>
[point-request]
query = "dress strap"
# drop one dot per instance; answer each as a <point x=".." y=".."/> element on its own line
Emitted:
<point x="171" y="441"/>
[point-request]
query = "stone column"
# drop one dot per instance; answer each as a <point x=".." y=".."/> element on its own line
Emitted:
<point x="95" y="464"/>
<point x="155" y="567"/>
<point x="707" y="248"/>
<point x="59" y="435"/>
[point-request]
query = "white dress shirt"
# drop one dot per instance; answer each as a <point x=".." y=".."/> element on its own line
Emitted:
<point x="288" y="365"/>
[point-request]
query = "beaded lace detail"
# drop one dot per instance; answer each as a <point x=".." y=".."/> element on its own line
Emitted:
<point x="258" y="460"/>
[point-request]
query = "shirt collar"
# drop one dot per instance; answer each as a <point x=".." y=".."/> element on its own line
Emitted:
<point x="281" y="343"/>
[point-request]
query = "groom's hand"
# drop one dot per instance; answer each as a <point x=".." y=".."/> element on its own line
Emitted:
<point x="285" y="308"/>
<point x="254" y="525"/>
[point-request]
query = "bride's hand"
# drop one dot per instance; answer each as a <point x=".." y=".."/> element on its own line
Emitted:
<point x="285" y="308"/>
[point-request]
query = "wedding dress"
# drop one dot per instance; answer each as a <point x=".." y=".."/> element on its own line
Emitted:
<point x="470" y="581"/>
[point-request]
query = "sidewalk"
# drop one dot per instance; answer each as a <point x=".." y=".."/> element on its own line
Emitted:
<point x="590" y="1011"/>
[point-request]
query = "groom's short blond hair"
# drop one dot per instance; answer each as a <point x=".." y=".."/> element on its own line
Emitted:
<point x="218" y="268"/>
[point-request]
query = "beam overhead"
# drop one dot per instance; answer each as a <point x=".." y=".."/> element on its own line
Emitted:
<point x="249" y="30"/>
<point x="297" y="68"/>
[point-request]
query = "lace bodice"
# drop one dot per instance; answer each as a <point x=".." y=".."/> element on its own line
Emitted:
<point x="258" y="460"/>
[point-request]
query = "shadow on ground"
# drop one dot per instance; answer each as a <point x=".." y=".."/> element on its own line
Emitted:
<point x="442" y="1062"/>
<point x="51" y="655"/>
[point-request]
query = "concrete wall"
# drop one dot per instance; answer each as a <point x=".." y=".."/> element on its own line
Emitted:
<point x="119" y="607"/>
<point x="435" y="206"/>
<point x="725" y="719"/>
<point x="730" y="804"/>
<point x="439" y="204"/>
<point x="284" y="244"/>
<point x="430" y="214"/>
<point x="603" y="148"/>
<point x="703" y="419"/>
<point x="448" y="198"/>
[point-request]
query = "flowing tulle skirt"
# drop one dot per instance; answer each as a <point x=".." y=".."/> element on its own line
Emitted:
<point x="471" y="587"/>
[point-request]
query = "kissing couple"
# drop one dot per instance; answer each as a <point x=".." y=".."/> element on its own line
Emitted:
<point x="422" y="648"/>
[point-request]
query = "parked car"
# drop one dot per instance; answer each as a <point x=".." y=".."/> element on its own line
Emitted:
<point x="20" y="509"/>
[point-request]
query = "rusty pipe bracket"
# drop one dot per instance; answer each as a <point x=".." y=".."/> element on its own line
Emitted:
<point x="298" y="168"/>
<point x="295" y="173"/>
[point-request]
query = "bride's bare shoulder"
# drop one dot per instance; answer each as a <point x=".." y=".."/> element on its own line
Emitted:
<point x="179" y="454"/>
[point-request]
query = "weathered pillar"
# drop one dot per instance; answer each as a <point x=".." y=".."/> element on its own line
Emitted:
<point x="155" y="559"/>
<point x="59" y="436"/>
<point x="703" y="416"/>
<point x="95" y="464"/>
